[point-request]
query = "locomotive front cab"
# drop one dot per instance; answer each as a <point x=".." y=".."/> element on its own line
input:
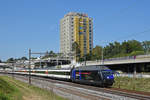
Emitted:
<point x="108" y="78"/>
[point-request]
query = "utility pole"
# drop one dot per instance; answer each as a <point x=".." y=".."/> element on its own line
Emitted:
<point x="85" y="59"/>
<point x="57" y="60"/>
<point x="40" y="61"/>
<point x="102" y="56"/>
<point x="13" y="65"/>
<point x="29" y="66"/>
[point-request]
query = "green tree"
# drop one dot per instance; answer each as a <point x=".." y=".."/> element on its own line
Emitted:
<point x="46" y="54"/>
<point x="96" y="53"/>
<point x="135" y="45"/>
<point x="49" y="54"/>
<point x="107" y="51"/>
<point x="24" y="58"/>
<point x="146" y="46"/>
<point x="117" y="49"/>
<point x="126" y="49"/>
<point x="0" y="61"/>
<point x="88" y="56"/>
<point x="76" y="49"/>
<point x="132" y="47"/>
<point x="33" y="57"/>
<point x="134" y="53"/>
<point x="10" y="60"/>
<point x="52" y="54"/>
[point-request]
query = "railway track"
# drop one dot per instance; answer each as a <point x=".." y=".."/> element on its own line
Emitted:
<point x="87" y="91"/>
<point x="105" y="90"/>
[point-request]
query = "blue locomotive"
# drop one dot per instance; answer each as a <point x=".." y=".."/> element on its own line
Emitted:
<point x="93" y="75"/>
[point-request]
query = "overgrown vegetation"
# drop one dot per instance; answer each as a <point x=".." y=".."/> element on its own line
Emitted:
<point x="8" y="91"/>
<point x="15" y="90"/>
<point x="138" y="84"/>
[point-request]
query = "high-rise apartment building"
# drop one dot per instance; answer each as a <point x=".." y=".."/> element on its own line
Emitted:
<point x="76" y="27"/>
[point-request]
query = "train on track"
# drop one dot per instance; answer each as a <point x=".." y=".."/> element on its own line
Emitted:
<point x="92" y="75"/>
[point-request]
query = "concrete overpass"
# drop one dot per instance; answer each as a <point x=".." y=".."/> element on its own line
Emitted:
<point x="127" y="64"/>
<point x="121" y="60"/>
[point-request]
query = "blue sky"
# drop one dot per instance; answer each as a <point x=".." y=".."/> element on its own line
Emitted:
<point x="34" y="24"/>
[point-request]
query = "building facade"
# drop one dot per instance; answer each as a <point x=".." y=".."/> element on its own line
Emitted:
<point x="76" y="27"/>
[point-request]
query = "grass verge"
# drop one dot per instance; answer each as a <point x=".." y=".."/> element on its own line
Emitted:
<point x="11" y="89"/>
<point x="8" y="91"/>
<point x="137" y="84"/>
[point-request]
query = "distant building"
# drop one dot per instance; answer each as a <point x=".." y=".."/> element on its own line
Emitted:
<point x="76" y="27"/>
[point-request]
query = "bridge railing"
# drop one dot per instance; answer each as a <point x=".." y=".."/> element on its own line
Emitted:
<point x="123" y="58"/>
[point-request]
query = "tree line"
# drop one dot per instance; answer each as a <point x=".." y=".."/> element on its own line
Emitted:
<point x="116" y="49"/>
<point x="112" y="50"/>
<point x="11" y="60"/>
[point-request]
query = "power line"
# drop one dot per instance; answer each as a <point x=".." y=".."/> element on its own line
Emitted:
<point x="133" y="34"/>
<point x="128" y="36"/>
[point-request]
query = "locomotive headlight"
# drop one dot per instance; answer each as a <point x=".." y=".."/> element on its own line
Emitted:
<point x="107" y="77"/>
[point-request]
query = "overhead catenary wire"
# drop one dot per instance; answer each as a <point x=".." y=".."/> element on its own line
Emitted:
<point x="127" y="36"/>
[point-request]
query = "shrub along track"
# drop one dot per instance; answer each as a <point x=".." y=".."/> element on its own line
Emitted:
<point x="28" y="94"/>
<point x="31" y="92"/>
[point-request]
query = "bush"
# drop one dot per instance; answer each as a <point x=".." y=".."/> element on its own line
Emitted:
<point x="3" y="97"/>
<point x="7" y="90"/>
<point x="134" y="53"/>
<point x="138" y="84"/>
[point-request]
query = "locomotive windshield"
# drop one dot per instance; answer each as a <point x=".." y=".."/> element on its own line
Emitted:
<point x="107" y="74"/>
<point x="106" y="71"/>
